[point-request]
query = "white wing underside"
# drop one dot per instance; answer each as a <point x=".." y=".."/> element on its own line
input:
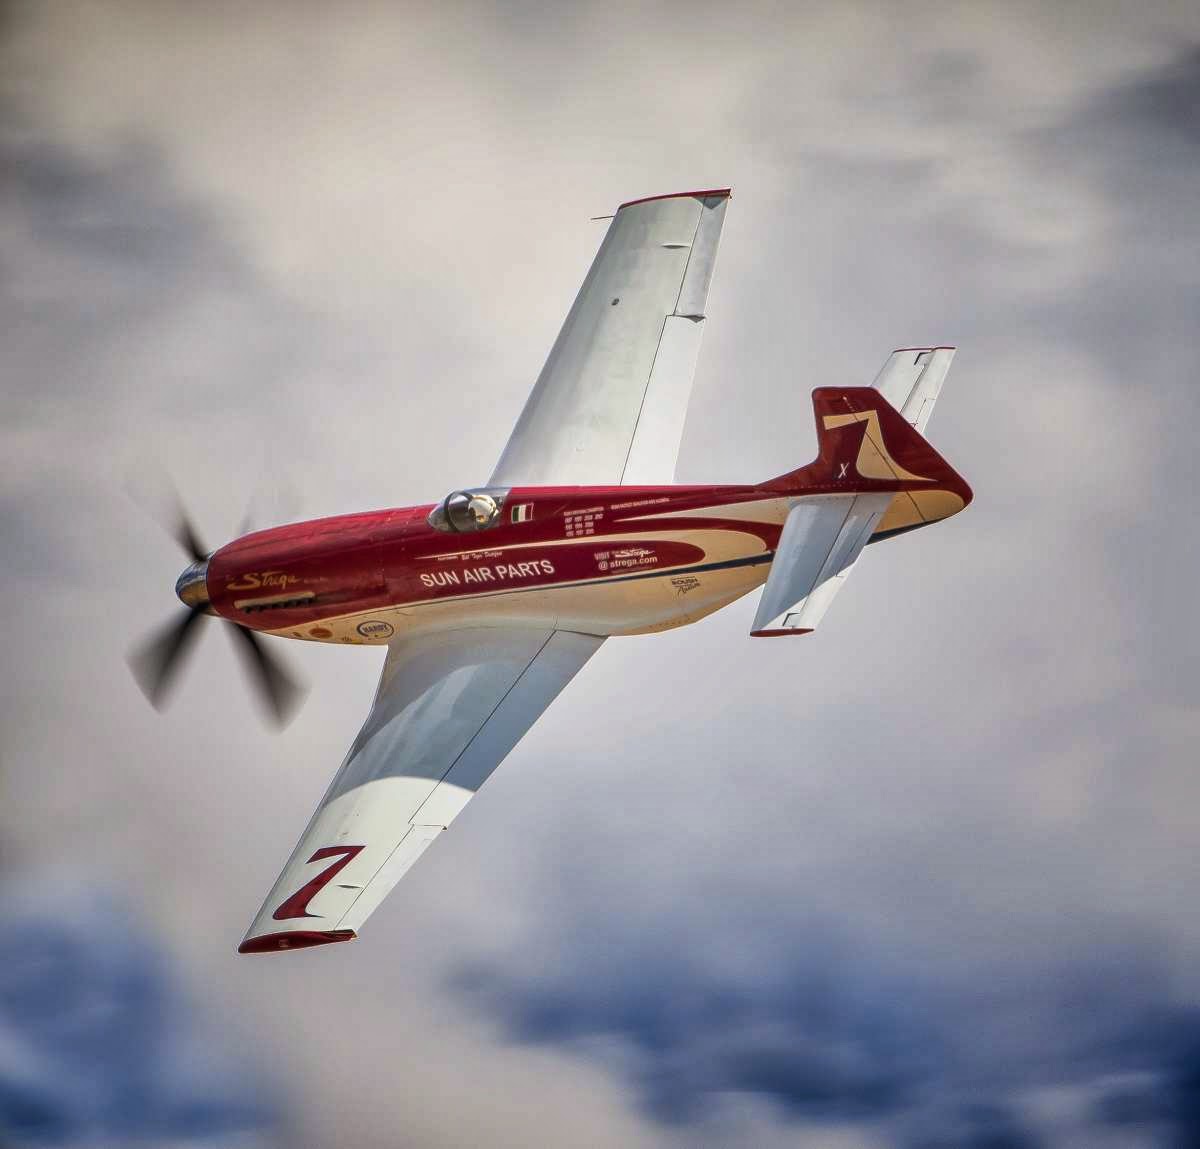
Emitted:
<point x="607" y="409"/>
<point x="609" y="406"/>
<point x="449" y="707"/>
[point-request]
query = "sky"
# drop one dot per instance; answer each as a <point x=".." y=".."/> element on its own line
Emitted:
<point x="923" y="880"/>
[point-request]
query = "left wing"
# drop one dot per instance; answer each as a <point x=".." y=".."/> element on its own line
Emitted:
<point x="609" y="405"/>
<point x="450" y="706"/>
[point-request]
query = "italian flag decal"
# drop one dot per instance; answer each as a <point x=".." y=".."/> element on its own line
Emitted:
<point x="522" y="512"/>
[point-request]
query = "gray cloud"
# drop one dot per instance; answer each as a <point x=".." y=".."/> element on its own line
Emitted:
<point x="922" y="881"/>
<point x="97" y="1041"/>
<point x="835" y="1026"/>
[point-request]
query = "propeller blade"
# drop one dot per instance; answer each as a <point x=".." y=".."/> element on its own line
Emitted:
<point x="185" y="535"/>
<point x="156" y="662"/>
<point x="279" y="690"/>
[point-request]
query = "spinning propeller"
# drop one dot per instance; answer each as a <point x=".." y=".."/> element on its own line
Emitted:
<point x="157" y="661"/>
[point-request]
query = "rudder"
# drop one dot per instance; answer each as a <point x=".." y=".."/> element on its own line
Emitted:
<point x="865" y="445"/>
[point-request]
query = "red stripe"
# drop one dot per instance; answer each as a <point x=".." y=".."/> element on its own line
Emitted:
<point x="713" y="193"/>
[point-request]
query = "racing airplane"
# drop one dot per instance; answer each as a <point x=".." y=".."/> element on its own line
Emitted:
<point x="490" y="601"/>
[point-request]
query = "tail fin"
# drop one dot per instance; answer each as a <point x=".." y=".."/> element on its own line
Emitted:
<point x="866" y="446"/>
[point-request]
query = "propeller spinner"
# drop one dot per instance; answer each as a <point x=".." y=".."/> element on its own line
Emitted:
<point x="158" y="660"/>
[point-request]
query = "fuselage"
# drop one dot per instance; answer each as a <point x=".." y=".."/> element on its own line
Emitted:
<point x="605" y="560"/>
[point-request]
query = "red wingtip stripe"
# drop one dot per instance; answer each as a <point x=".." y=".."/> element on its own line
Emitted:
<point x="712" y="193"/>
<point x="294" y="940"/>
<point x="780" y="632"/>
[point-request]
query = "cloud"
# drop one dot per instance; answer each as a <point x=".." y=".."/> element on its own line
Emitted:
<point x="920" y="881"/>
<point x="884" y="1008"/>
<point x="97" y="1043"/>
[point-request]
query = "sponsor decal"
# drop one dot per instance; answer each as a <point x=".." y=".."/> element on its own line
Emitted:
<point x="253" y="580"/>
<point x="582" y="522"/>
<point x="625" y="558"/>
<point x="684" y="584"/>
<point x="640" y="503"/>
<point x="522" y="513"/>
<point x="495" y="573"/>
<point x="375" y="628"/>
<point x="630" y="557"/>
<point x="320" y="632"/>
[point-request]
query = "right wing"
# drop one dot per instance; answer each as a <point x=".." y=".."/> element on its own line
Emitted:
<point x="450" y="706"/>
<point x="609" y="405"/>
<point x="912" y="379"/>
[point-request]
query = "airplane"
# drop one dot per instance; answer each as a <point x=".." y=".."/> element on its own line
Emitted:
<point x="490" y="601"/>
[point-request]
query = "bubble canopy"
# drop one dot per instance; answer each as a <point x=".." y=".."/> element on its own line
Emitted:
<point x="475" y="509"/>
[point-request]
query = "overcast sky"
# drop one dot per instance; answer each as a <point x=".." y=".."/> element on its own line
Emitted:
<point x="925" y="879"/>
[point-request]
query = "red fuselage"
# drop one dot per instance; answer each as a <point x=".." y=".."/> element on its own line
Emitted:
<point x="610" y="559"/>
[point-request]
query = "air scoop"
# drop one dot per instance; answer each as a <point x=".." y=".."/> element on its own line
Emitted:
<point x="192" y="585"/>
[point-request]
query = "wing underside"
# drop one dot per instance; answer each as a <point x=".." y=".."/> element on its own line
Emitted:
<point x="449" y="707"/>
<point x="609" y="406"/>
<point x="607" y="409"/>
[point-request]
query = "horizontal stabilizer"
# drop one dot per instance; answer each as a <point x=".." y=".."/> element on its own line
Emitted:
<point x="912" y="379"/>
<point x="820" y="541"/>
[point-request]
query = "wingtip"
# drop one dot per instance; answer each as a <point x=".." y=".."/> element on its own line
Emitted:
<point x="711" y="193"/>
<point x="294" y="940"/>
<point x="779" y="632"/>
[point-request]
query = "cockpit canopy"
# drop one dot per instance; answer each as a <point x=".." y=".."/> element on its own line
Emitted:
<point x="476" y="509"/>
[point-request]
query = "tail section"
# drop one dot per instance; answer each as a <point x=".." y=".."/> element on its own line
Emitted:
<point x="875" y="475"/>
<point x="866" y="446"/>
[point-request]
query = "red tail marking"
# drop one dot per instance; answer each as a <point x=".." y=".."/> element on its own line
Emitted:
<point x="297" y="905"/>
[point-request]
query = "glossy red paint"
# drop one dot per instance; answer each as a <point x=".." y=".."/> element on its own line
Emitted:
<point x="295" y="577"/>
<point x="843" y="416"/>
<point x="297" y="905"/>
<point x="298" y="575"/>
<point x="294" y="940"/>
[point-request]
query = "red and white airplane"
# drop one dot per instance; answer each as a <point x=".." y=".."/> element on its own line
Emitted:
<point x="490" y="601"/>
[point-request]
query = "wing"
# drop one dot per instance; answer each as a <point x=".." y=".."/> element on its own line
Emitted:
<point x="450" y="706"/>
<point x="912" y="379"/>
<point x="609" y="405"/>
